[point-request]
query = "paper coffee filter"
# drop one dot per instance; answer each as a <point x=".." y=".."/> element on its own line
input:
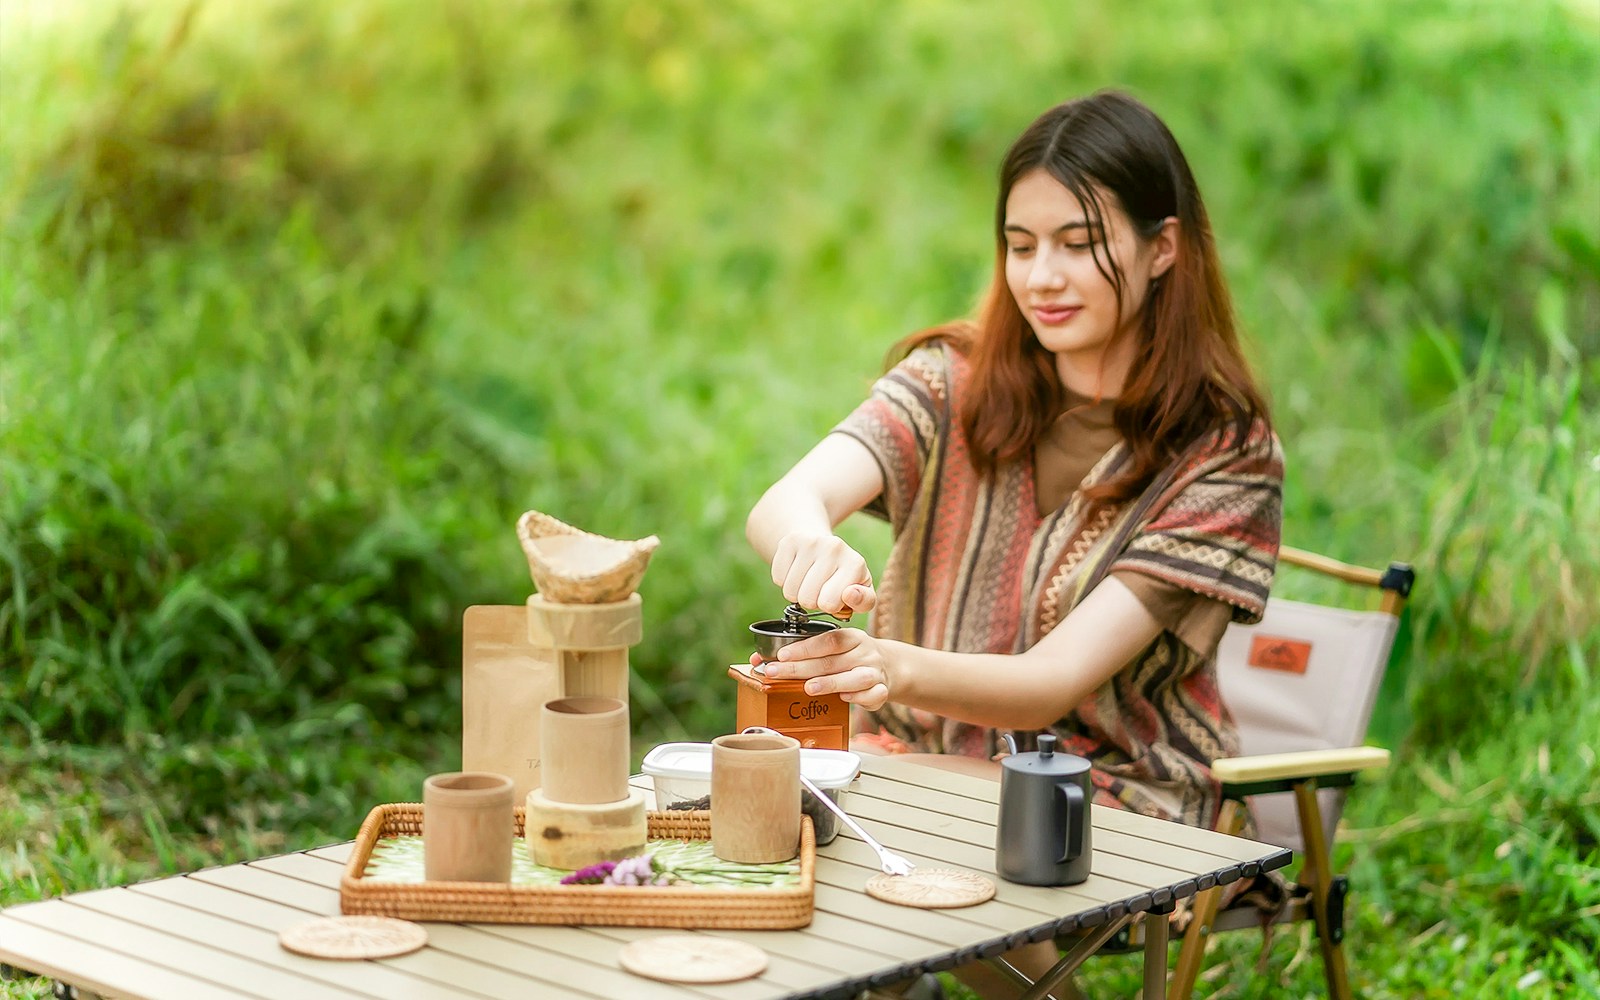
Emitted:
<point x="572" y="566"/>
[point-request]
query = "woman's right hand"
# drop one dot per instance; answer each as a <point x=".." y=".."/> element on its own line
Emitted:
<point x="822" y="572"/>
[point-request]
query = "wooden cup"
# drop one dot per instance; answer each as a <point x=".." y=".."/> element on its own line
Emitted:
<point x="583" y="744"/>
<point x="468" y="826"/>
<point x="755" y="797"/>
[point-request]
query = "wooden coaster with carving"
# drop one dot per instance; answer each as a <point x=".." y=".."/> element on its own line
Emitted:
<point x="354" y="937"/>
<point x="932" y="888"/>
<point x="692" y="958"/>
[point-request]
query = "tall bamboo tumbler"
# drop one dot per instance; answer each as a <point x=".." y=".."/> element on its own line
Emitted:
<point x="755" y="797"/>
<point x="583" y="744"/>
<point x="468" y="824"/>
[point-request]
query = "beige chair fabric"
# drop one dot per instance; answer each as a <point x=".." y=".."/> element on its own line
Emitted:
<point x="1280" y="708"/>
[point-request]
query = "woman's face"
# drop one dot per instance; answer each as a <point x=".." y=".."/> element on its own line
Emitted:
<point x="1051" y="271"/>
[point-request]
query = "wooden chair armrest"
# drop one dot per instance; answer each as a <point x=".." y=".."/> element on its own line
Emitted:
<point x="1298" y="766"/>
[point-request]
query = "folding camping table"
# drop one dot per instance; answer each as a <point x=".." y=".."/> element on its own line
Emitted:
<point x="213" y="933"/>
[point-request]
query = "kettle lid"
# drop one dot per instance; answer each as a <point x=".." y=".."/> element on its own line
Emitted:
<point x="1046" y="760"/>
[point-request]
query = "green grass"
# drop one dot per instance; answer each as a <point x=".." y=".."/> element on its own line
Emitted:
<point x="301" y="306"/>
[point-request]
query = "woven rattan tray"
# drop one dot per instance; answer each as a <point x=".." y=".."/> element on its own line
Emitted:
<point x="702" y="907"/>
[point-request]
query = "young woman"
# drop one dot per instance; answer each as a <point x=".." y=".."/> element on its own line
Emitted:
<point x="1083" y="486"/>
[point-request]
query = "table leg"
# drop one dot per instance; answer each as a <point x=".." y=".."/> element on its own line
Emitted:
<point x="1065" y="989"/>
<point x="1071" y="960"/>
<point x="1155" y="956"/>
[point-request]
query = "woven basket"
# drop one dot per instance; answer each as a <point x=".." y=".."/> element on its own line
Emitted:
<point x="699" y="907"/>
<point x="570" y="566"/>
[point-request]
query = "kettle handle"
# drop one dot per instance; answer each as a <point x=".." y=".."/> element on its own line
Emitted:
<point x="1073" y="835"/>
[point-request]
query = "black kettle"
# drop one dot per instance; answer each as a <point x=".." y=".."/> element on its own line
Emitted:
<point x="1043" y="833"/>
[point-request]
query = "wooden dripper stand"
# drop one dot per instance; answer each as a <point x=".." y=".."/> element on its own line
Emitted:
<point x="586" y="608"/>
<point x="587" y="613"/>
<point x="569" y="640"/>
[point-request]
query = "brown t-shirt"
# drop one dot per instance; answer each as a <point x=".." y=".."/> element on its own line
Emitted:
<point x="1080" y="436"/>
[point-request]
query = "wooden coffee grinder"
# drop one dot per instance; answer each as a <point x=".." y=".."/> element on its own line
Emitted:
<point x="821" y="721"/>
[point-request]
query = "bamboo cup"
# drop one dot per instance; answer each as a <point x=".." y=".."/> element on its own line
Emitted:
<point x="467" y="827"/>
<point x="583" y="743"/>
<point x="755" y="797"/>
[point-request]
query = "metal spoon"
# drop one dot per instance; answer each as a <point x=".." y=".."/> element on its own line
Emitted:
<point x="893" y="863"/>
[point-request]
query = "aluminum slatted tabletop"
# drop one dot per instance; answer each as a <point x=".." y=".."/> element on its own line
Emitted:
<point x="213" y="933"/>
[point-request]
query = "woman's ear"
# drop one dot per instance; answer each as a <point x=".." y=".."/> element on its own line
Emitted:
<point x="1164" y="247"/>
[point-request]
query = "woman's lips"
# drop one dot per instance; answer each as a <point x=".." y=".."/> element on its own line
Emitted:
<point x="1055" y="315"/>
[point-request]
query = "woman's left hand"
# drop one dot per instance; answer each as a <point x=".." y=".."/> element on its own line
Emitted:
<point x="846" y="661"/>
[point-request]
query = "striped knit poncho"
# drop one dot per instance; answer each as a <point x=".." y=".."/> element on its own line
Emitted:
<point x="975" y="569"/>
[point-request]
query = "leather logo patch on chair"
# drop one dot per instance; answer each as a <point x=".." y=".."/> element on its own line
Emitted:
<point x="1270" y="652"/>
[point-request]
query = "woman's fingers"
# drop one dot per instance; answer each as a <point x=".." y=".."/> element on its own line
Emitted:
<point x="836" y="595"/>
<point x="794" y="563"/>
<point x="860" y="597"/>
<point x="817" y="668"/>
<point x="846" y="681"/>
<point x="849" y="579"/>
<point x="814" y="571"/>
<point x="809" y="657"/>
<point x="783" y="559"/>
<point x="871" y="699"/>
<point x="810" y="589"/>
<point x="846" y="662"/>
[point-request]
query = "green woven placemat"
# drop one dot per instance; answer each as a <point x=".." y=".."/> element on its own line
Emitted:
<point x="399" y="859"/>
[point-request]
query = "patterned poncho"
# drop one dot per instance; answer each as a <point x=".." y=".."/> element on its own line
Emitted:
<point x="975" y="569"/>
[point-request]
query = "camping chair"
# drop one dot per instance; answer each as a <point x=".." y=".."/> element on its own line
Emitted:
<point x="1300" y="685"/>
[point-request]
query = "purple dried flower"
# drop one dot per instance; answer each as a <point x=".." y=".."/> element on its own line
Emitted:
<point x="631" y="871"/>
<point x="592" y="875"/>
<point x="641" y="870"/>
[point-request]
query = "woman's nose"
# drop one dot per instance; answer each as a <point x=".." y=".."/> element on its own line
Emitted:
<point x="1046" y="272"/>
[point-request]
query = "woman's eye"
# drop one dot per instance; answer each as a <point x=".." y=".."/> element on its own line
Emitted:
<point x="1078" y="247"/>
<point x="1019" y="251"/>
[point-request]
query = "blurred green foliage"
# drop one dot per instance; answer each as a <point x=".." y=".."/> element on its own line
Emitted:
<point x="301" y="305"/>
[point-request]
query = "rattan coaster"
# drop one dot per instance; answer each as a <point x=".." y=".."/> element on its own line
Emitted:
<point x="932" y="888"/>
<point x="692" y="958"/>
<point x="354" y="937"/>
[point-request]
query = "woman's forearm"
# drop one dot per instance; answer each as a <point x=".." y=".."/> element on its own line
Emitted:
<point x="791" y="527"/>
<point x="836" y="478"/>
<point x="1029" y="690"/>
<point x="986" y="689"/>
<point x="783" y="510"/>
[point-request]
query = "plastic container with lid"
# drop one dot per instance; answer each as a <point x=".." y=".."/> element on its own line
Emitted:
<point x="681" y="773"/>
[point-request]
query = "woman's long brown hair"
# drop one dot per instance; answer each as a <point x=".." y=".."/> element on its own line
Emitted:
<point x="1189" y="377"/>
